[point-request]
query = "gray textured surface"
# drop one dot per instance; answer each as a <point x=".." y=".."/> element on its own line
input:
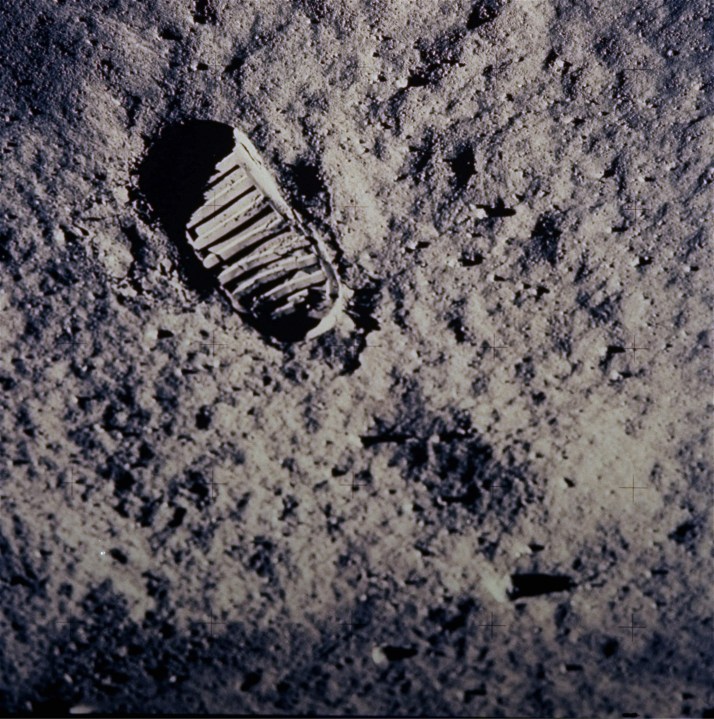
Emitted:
<point x="518" y="204"/>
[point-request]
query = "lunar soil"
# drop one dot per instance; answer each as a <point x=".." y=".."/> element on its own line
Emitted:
<point x="487" y="491"/>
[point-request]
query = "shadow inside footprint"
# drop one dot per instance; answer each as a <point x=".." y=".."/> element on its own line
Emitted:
<point x="173" y="177"/>
<point x="175" y="171"/>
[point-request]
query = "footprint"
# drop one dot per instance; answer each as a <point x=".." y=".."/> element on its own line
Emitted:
<point x="277" y="274"/>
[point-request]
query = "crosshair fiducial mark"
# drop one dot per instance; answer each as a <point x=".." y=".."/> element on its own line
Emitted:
<point x="494" y="346"/>
<point x="356" y="206"/>
<point x="71" y="482"/>
<point x="212" y="345"/>
<point x="637" y="209"/>
<point x="352" y="624"/>
<point x="634" y="348"/>
<point x="632" y="626"/>
<point x="356" y="482"/>
<point x="389" y="354"/>
<point x="633" y="488"/>
<point x="489" y="626"/>
<point x="502" y="483"/>
<point x="213" y="485"/>
<point x="211" y="623"/>
<point x="213" y="203"/>
<point x="68" y="339"/>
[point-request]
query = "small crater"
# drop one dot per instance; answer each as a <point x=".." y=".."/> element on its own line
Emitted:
<point x="471" y="258"/>
<point x="316" y="10"/>
<point x="685" y="533"/>
<point x="458" y="471"/>
<point x="252" y="679"/>
<point x="177" y="519"/>
<point x="483" y="12"/>
<point x="463" y="165"/>
<point x="204" y="12"/>
<point x="204" y="417"/>
<point x="170" y="33"/>
<point x="456" y="325"/>
<point x="118" y="555"/>
<point x="545" y="239"/>
<point x="307" y="179"/>
<point x="610" y="647"/>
